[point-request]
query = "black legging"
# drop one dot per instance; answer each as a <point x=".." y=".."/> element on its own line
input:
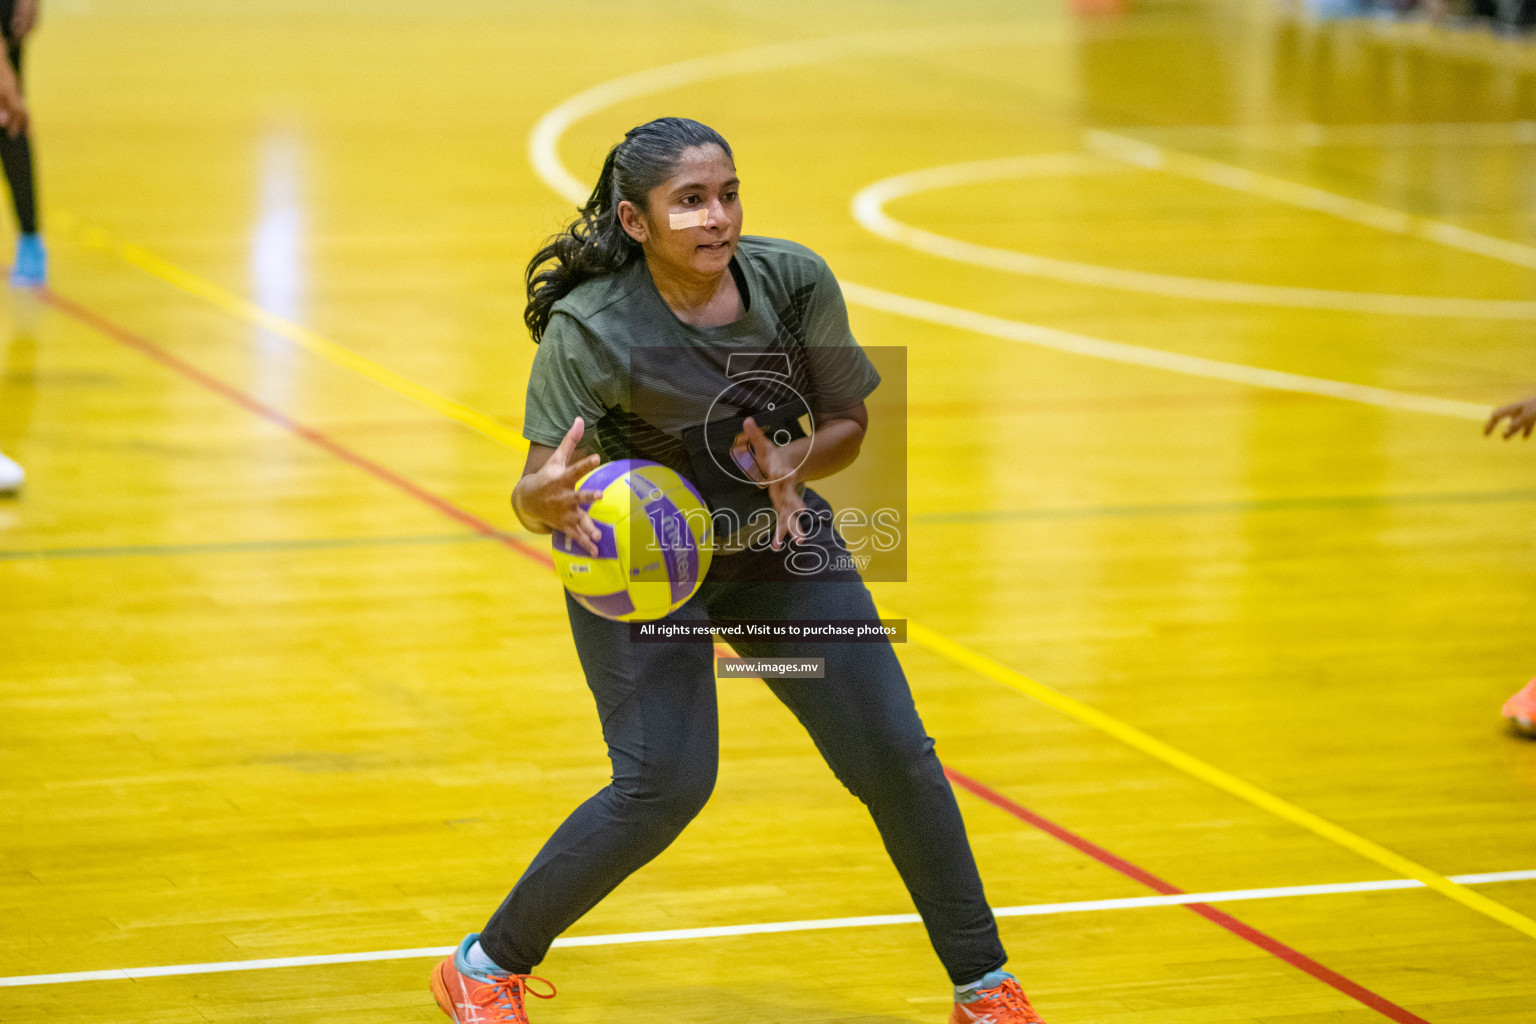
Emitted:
<point x="657" y="704"/>
<point x="16" y="153"/>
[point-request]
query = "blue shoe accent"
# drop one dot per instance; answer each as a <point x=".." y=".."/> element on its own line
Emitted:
<point x="992" y="980"/>
<point x="31" y="267"/>
<point x="461" y="958"/>
<point x="463" y="966"/>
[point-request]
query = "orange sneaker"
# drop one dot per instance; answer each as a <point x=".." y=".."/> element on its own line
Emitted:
<point x="1521" y="709"/>
<point x="997" y="1000"/>
<point x="469" y="997"/>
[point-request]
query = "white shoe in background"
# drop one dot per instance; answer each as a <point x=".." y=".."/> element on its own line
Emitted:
<point x="12" y="476"/>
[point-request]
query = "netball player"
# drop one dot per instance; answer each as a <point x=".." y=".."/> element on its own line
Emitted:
<point x="656" y="263"/>
<point x="30" y="270"/>
<point x="1521" y="708"/>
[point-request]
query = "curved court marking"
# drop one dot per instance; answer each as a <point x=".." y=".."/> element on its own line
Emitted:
<point x="1240" y="179"/>
<point x="1156" y="358"/>
<point x="544" y="155"/>
<point x="869" y="210"/>
<point x="765" y="928"/>
<point x="872" y="298"/>
<point x="544" y="139"/>
<point x="544" y="145"/>
<point x="1311" y="135"/>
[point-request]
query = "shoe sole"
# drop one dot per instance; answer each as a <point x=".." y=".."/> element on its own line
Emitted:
<point x="440" y="993"/>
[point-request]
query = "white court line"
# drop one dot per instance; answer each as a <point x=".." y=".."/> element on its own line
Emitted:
<point x="767" y="928"/>
<point x="869" y="210"/>
<point x="1310" y="134"/>
<point x="544" y="140"/>
<point x="1240" y="179"/>
<point x="1160" y="359"/>
<point x="544" y="155"/>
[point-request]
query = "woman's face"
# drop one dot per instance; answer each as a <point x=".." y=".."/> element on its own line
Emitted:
<point x="694" y="220"/>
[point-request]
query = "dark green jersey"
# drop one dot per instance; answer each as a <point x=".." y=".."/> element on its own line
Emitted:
<point x="615" y="355"/>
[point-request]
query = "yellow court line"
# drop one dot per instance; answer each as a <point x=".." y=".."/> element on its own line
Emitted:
<point x="936" y="642"/>
<point x="1209" y="773"/>
<point x="312" y="341"/>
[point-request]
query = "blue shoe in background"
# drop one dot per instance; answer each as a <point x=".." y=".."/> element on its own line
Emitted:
<point x="31" y="267"/>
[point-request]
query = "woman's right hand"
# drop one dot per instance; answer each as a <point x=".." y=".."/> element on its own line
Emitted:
<point x="546" y="496"/>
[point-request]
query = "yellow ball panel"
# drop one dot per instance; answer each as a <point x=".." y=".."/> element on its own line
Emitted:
<point x="615" y="504"/>
<point x="583" y="574"/>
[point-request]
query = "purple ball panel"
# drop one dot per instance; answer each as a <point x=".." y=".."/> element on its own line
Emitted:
<point x="603" y="475"/>
<point x="609" y="606"/>
<point x="607" y="543"/>
<point x="678" y="551"/>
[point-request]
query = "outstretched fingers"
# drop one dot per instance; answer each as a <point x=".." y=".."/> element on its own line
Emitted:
<point x="586" y="532"/>
<point x="574" y="472"/>
<point x="1498" y="414"/>
<point x="567" y="446"/>
<point x="790" y="515"/>
<point x="1521" y="416"/>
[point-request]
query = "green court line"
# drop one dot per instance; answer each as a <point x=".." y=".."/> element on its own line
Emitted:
<point x="243" y="546"/>
<point x="1325" y="502"/>
<point x="1304" y="504"/>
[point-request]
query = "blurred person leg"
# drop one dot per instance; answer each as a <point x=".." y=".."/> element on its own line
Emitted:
<point x="1515" y="15"/>
<point x="30" y="269"/>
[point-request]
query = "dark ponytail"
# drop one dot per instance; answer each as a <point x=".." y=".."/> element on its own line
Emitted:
<point x="596" y="243"/>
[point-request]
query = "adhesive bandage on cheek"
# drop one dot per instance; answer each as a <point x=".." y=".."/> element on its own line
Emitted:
<point x="694" y="219"/>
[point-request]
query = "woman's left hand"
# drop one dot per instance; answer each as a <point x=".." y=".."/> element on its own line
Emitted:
<point x="1521" y="415"/>
<point x="779" y="466"/>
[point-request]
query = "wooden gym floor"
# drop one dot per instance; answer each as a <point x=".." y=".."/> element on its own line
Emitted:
<point x="1185" y="604"/>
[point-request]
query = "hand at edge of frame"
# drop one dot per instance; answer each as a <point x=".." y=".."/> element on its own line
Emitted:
<point x="1521" y="416"/>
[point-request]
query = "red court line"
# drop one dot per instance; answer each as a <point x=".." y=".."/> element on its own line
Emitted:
<point x="148" y="348"/>
<point x="1265" y="942"/>
<point x="1268" y="943"/>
